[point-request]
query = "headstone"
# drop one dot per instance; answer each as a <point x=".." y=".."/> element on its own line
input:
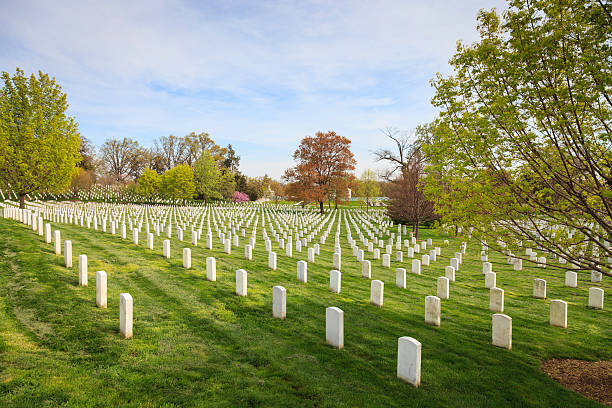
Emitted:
<point x="376" y="254"/>
<point x="68" y="254"/>
<point x="377" y="289"/>
<point x="496" y="300"/>
<point x="311" y="255"/>
<point x="57" y="242"/>
<point x="400" y="278"/>
<point x="449" y="272"/>
<point x="227" y="246"/>
<point x="502" y="330"/>
<point x="366" y="269"/>
<point x="443" y="287"/>
<point x="135" y="236"/>
<point x="432" y="310"/>
<point x="571" y="279"/>
<point x="337" y="260"/>
<point x="487" y="267"/>
<point x="279" y="302"/>
<point x="490" y="280"/>
<point x="596" y="298"/>
<point x="334" y="327"/>
<point x="126" y="308"/>
<point x="409" y="360"/>
<point x="454" y="262"/>
<point x="211" y="269"/>
<point x="186" y="258"/>
<point x="248" y="252"/>
<point x="595" y="276"/>
<point x="518" y="264"/>
<point x="335" y="281"/>
<point x="416" y="266"/>
<point x="166" y="248"/>
<point x="302" y="271"/>
<point x="241" y="282"/>
<point x="272" y="260"/>
<point x="83" y="270"/>
<point x="48" y="233"/>
<point x="558" y="313"/>
<point x="539" y="288"/>
<point x="425" y="261"/>
<point x="101" y="289"/>
<point x="386" y="260"/>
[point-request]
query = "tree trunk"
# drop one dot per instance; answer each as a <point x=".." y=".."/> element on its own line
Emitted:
<point x="321" y="207"/>
<point x="21" y="200"/>
<point x="416" y="228"/>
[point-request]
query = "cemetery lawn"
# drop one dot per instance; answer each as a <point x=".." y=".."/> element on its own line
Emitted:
<point x="198" y="344"/>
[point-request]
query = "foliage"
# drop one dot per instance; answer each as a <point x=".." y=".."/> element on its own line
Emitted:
<point x="232" y="160"/>
<point x="227" y="185"/>
<point x="368" y="187"/>
<point x="149" y="183"/>
<point x="207" y="176"/>
<point x="240" y="197"/>
<point x="39" y="143"/>
<point x="321" y="160"/>
<point x="178" y="183"/>
<point x="522" y="149"/>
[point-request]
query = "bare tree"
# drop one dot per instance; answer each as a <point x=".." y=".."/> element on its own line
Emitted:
<point x="122" y="159"/>
<point x="407" y="203"/>
<point x="172" y="151"/>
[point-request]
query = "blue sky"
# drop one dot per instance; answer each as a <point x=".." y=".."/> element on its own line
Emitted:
<point x="260" y="75"/>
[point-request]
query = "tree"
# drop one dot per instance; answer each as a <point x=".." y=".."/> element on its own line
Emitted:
<point x="207" y="176"/>
<point x="522" y="148"/>
<point x="277" y="188"/>
<point x="239" y="197"/>
<point x="122" y="159"/>
<point x="368" y="187"/>
<point x="88" y="155"/>
<point x="321" y="160"/>
<point x="407" y="202"/>
<point x="149" y="183"/>
<point x="232" y="160"/>
<point x="39" y="143"/>
<point x="177" y="183"/>
<point x="81" y="180"/>
<point x="227" y="185"/>
<point x="194" y="144"/>
<point x="171" y="151"/>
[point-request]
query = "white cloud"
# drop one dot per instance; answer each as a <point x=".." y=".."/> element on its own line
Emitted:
<point x="261" y="74"/>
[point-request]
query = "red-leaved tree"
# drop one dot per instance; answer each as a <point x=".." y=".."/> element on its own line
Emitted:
<point x="322" y="162"/>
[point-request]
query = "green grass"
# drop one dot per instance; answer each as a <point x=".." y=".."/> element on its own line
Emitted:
<point x="198" y="344"/>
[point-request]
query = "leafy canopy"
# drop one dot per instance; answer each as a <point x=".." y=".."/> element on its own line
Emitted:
<point x="39" y="143"/>
<point x="522" y="149"/>
<point x="177" y="183"/>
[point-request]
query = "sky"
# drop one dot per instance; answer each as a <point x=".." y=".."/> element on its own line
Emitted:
<point x="259" y="75"/>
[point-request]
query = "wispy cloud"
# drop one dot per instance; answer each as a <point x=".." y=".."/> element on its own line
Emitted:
<point x="259" y="75"/>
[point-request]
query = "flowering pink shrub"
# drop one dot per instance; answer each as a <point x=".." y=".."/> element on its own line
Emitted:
<point x="240" y="197"/>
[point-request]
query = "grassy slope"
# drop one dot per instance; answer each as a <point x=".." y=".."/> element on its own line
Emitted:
<point x="197" y="344"/>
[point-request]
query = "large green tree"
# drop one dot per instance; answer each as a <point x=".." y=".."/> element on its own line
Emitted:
<point x="522" y="149"/>
<point x="39" y="143"/>
<point x="149" y="183"/>
<point x="207" y="176"/>
<point x="177" y="183"/>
